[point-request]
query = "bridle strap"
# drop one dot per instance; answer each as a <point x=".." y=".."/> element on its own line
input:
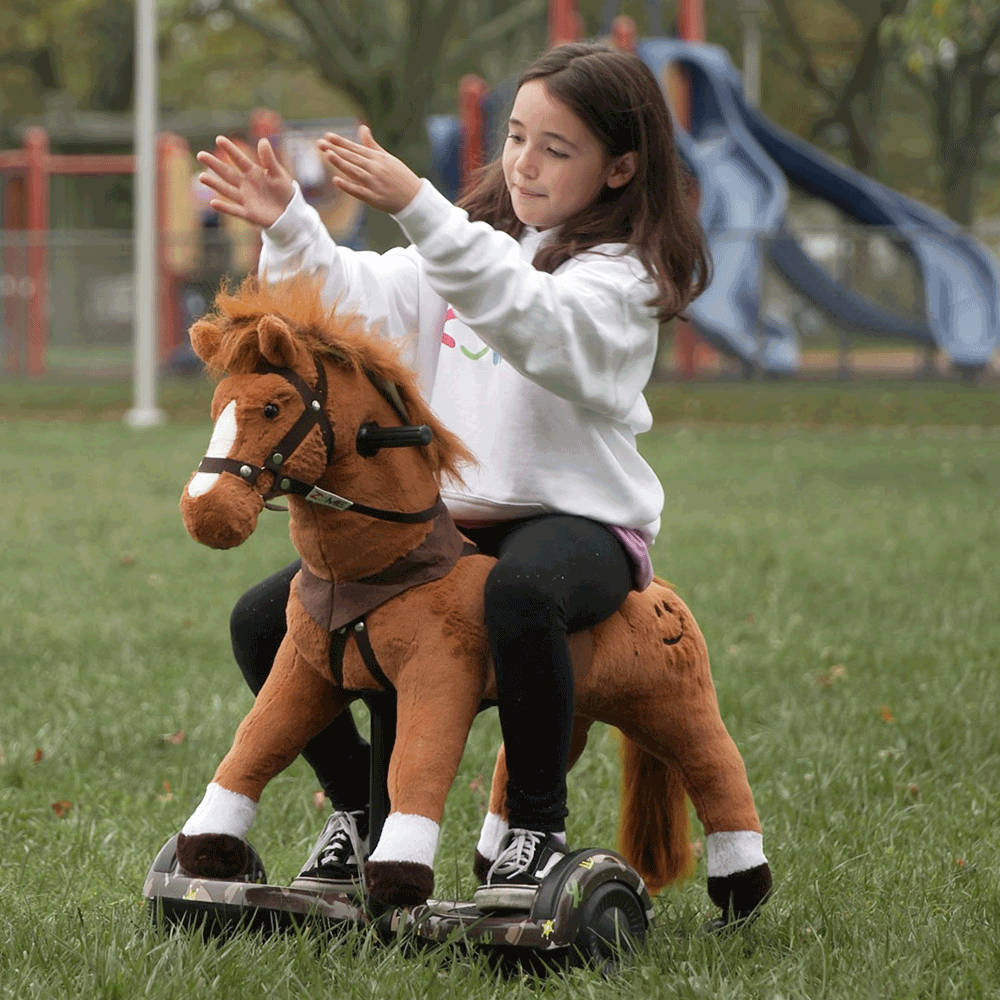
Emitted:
<point x="324" y="498"/>
<point x="313" y="415"/>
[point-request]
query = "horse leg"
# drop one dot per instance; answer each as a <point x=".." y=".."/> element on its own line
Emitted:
<point x="683" y="736"/>
<point x="295" y="703"/>
<point x="495" y="825"/>
<point x="433" y="719"/>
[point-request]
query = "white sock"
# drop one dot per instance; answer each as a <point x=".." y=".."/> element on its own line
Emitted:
<point x="491" y="835"/>
<point x="732" y="851"/>
<point x="222" y="811"/>
<point x="407" y="837"/>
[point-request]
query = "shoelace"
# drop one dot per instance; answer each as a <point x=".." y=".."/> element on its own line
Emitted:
<point x="517" y="855"/>
<point x="344" y="836"/>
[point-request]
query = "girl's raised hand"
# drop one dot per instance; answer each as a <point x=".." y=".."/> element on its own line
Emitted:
<point x="367" y="172"/>
<point x="245" y="188"/>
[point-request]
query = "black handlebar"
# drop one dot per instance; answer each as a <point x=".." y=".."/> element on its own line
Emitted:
<point x="372" y="438"/>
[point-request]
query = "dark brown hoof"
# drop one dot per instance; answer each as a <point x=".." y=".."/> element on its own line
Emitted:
<point x="481" y="867"/>
<point x="741" y="894"/>
<point x="212" y="855"/>
<point x="398" y="883"/>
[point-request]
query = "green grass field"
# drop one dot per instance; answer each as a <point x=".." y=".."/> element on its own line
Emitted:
<point x="846" y="578"/>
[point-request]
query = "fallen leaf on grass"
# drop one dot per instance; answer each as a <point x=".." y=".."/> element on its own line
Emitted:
<point x="902" y="786"/>
<point x="62" y="808"/>
<point x="38" y="755"/>
<point x="166" y="795"/>
<point x="886" y="713"/>
<point x="176" y="738"/>
<point x="125" y="559"/>
<point x="477" y="784"/>
<point x="319" y="799"/>
<point x="698" y="849"/>
<point x="827" y="678"/>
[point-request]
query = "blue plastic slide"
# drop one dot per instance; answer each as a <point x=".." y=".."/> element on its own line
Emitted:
<point x="743" y="164"/>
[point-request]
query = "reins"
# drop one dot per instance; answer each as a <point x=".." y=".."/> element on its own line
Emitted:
<point x="370" y="439"/>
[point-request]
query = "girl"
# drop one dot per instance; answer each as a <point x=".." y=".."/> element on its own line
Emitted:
<point x="535" y="305"/>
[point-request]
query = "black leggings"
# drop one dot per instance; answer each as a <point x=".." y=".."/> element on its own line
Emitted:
<point x="555" y="574"/>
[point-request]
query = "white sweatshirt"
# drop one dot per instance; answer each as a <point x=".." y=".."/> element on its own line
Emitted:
<point x="541" y="375"/>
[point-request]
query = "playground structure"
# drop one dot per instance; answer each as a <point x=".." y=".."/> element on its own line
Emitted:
<point x="747" y="171"/>
<point x="27" y="247"/>
<point x="25" y="210"/>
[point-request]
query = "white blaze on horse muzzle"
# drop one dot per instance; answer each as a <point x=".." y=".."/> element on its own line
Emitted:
<point x="223" y="439"/>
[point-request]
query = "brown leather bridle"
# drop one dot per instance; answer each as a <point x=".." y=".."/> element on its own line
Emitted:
<point x="370" y="439"/>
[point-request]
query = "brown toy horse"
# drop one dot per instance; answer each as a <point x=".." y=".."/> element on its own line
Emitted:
<point x="315" y="407"/>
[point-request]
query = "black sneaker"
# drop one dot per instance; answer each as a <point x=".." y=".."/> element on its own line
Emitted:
<point x="338" y="855"/>
<point x="525" y="858"/>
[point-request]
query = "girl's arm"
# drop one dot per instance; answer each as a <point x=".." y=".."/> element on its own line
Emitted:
<point x="382" y="287"/>
<point x="584" y="334"/>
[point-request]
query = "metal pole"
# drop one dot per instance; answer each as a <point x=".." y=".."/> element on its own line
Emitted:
<point x="750" y="12"/>
<point x="144" y="412"/>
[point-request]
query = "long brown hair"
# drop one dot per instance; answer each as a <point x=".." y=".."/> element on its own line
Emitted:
<point x="618" y="98"/>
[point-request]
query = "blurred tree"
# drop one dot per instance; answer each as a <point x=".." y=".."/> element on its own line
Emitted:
<point x="850" y="91"/>
<point x="29" y="60"/>
<point x="390" y="57"/>
<point x="950" y="52"/>
<point x="77" y="53"/>
<point x="111" y="27"/>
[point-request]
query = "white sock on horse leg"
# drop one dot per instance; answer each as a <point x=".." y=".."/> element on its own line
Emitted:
<point x="731" y="851"/>
<point x="491" y="834"/>
<point x="221" y="811"/>
<point x="407" y="837"/>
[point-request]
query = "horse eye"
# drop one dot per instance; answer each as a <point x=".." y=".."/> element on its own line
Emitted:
<point x="270" y="410"/>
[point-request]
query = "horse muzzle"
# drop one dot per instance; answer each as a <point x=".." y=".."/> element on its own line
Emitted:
<point x="223" y="517"/>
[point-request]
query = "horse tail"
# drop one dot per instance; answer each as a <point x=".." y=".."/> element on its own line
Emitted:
<point x="653" y="826"/>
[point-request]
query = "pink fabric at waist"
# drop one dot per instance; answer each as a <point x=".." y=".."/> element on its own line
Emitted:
<point x="638" y="551"/>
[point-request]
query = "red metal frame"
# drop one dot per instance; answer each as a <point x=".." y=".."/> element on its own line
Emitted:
<point x="471" y="93"/>
<point x="564" y="22"/>
<point x="564" y="26"/>
<point x="689" y="349"/>
<point x="13" y="217"/>
<point x="25" y="206"/>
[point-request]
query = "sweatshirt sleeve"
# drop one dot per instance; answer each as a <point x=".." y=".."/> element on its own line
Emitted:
<point x="585" y="333"/>
<point x="383" y="288"/>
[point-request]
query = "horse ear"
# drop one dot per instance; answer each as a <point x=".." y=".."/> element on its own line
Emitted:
<point x="277" y="343"/>
<point x="205" y="338"/>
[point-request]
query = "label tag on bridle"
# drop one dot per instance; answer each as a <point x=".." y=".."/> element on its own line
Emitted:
<point x="325" y="499"/>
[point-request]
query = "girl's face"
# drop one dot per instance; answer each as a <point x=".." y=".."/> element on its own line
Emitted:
<point x="553" y="164"/>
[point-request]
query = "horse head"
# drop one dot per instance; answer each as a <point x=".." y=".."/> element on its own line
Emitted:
<point x="307" y="400"/>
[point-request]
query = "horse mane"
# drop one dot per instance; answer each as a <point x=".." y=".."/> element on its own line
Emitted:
<point x="343" y="336"/>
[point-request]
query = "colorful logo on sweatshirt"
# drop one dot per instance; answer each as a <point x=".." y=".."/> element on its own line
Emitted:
<point x="449" y="341"/>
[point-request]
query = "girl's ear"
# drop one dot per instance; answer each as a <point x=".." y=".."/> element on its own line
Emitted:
<point x="277" y="344"/>
<point x="623" y="170"/>
<point x="205" y="337"/>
